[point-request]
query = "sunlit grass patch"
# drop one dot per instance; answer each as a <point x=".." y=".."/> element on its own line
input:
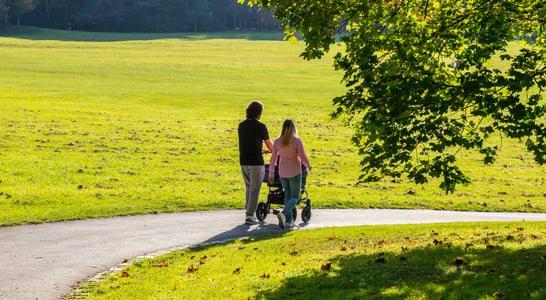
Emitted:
<point x="98" y="125"/>
<point x="463" y="261"/>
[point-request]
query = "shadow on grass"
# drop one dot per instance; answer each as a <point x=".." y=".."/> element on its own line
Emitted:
<point x="429" y="273"/>
<point x="35" y="33"/>
<point x="244" y="231"/>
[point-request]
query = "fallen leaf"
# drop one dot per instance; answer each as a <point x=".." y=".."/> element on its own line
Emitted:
<point x="202" y="262"/>
<point x="237" y="271"/>
<point x="160" y="265"/>
<point x="468" y="245"/>
<point x="344" y="248"/>
<point x="326" y="266"/>
<point x="248" y="259"/>
<point x="124" y="274"/>
<point x="459" y="261"/>
<point x="381" y="260"/>
<point x="265" y="276"/>
<point x="294" y="253"/>
<point x="192" y="269"/>
<point x="333" y="238"/>
<point x="533" y="237"/>
<point x="498" y="294"/>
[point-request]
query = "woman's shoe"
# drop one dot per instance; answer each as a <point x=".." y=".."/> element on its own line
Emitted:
<point x="282" y="220"/>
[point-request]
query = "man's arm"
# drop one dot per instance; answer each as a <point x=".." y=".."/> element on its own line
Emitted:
<point x="269" y="145"/>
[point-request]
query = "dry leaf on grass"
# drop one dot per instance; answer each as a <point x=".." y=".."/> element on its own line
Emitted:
<point x="160" y="265"/>
<point x="326" y="266"/>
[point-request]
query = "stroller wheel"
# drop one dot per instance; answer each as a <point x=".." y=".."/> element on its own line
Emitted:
<point x="306" y="213"/>
<point x="261" y="211"/>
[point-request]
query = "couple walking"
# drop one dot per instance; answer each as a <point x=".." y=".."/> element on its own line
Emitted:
<point x="287" y="148"/>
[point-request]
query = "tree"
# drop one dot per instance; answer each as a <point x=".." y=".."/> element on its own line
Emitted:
<point x="4" y="9"/>
<point x="19" y="7"/>
<point x="419" y="78"/>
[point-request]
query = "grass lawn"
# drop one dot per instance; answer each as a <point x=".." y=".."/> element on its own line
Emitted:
<point x="432" y="261"/>
<point x="98" y="125"/>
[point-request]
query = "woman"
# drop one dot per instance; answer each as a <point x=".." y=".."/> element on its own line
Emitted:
<point x="288" y="147"/>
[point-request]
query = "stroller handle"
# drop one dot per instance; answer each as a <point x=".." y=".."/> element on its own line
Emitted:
<point x="277" y="180"/>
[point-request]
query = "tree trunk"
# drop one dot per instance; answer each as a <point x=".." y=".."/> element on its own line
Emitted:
<point x="47" y="12"/>
<point x="234" y="16"/>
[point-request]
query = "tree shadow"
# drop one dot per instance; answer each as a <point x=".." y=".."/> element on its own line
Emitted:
<point x="426" y="273"/>
<point x="38" y="34"/>
<point x="244" y="231"/>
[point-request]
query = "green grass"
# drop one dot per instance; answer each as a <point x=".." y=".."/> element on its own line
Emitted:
<point x="433" y="261"/>
<point x="35" y="33"/>
<point x="97" y="125"/>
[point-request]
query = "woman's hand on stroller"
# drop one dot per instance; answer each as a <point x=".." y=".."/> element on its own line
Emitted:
<point x="271" y="179"/>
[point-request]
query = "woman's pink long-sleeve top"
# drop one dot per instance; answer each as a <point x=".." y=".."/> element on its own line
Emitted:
<point x="291" y="158"/>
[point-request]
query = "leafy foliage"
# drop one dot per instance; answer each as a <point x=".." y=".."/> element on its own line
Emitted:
<point x="420" y="83"/>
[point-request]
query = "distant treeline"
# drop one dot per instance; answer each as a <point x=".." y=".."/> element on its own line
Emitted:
<point x="137" y="15"/>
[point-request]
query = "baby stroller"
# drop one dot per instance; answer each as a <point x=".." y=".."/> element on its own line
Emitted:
<point x="276" y="196"/>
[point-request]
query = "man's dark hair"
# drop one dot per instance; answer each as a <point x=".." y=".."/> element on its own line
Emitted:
<point x="254" y="110"/>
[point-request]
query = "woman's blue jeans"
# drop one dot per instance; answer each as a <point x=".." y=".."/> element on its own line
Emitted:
<point x="292" y="189"/>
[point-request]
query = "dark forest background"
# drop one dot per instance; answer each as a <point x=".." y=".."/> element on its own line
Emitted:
<point x="137" y="15"/>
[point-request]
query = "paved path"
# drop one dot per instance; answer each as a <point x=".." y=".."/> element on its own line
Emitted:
<point x="44" y="261"/>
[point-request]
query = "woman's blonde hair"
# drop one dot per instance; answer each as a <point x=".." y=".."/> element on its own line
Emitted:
<point x="288" y="132"/>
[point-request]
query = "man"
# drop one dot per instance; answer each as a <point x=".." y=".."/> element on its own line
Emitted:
<point x="252" y="135"/>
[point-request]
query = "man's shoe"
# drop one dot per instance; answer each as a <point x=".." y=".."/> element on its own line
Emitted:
<point x="290" y="225"/>
<point x="251" y="221"/>
<point x="282" y="219"/>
